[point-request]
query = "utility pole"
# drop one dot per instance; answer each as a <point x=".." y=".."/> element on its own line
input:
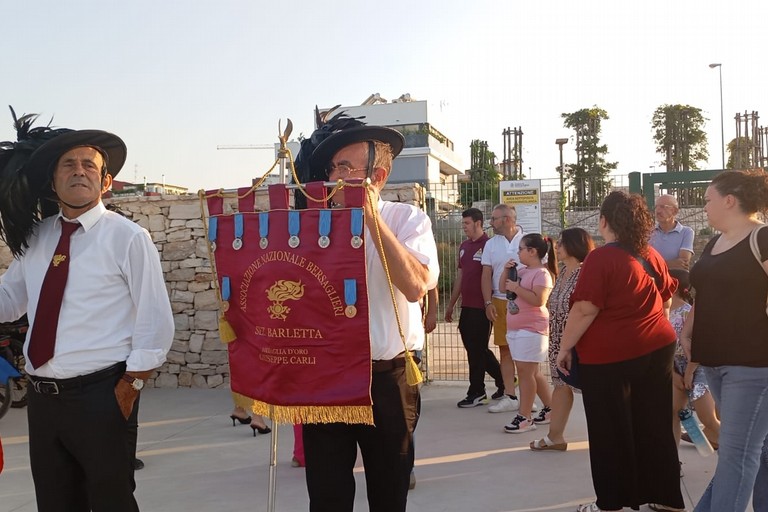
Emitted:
<point x="560" y="143"/>
<point x="719" y="67"/>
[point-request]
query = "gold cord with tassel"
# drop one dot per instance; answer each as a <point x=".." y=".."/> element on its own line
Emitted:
<point x="412" y="373"/>
<point x="226" y="332"/>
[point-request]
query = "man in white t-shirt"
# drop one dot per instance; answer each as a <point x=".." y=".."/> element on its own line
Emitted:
<point x="497" y="252"/>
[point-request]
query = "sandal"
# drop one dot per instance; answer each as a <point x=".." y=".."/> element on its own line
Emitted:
<point x="546" y="443"/>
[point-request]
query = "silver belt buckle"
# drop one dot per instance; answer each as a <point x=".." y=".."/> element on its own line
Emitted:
<point x="45" y="387"/>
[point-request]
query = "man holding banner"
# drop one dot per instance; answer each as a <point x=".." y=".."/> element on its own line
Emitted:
<point x="403" y="235"/>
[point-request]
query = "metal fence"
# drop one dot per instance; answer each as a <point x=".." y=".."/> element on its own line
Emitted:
<point x="445" y="356"/>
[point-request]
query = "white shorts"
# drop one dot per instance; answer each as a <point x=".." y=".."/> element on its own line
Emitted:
<point x="527" y="346"/>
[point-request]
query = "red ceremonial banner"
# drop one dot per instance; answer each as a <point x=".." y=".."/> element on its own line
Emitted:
<point x="293" y="290"/>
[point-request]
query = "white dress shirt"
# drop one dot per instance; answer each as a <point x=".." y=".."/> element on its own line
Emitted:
<point x="115" y="305"/>
<point x="413" y="229"/>
<point x="497" y="252"/>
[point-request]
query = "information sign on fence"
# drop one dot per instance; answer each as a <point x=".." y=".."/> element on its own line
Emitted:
<point x="525" y="196"/>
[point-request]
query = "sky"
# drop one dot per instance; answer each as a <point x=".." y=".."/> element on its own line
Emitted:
<point x="175" y="79"/>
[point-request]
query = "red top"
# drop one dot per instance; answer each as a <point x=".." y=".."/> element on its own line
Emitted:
<point x="631" y="321"/>
<point x="470" y="253"/>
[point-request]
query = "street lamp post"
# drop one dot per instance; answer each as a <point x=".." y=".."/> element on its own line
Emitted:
<point x="560" y="143"/>
<point x="719" y="67"/>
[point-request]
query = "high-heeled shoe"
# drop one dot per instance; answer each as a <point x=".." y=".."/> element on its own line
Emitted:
<point x="243" y="421"/>
<point x="262" y="430"/>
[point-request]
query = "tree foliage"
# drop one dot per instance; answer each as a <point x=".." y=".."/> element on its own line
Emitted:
<point x="679" y="135"/>
<point x="589" y="175"/>
<point x="484" y="179"/>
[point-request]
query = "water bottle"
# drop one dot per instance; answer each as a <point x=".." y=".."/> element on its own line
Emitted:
<point x="511" y="296"/>
<point x="512" y="276"/>
<point x="697" y="436"/>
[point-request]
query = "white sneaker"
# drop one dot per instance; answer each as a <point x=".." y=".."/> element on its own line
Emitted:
<point x="506" y="404"/>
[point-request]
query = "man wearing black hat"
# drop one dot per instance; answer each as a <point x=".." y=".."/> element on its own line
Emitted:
<point x="405" y="237"/>
<point x="91" y="284"/>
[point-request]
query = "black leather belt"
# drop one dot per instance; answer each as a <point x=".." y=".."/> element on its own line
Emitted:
<point x="46" y="386"/>
<point x="385" y="365"/>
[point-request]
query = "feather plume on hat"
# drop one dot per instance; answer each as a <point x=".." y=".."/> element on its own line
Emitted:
<point x="26" y="168"/>
<point x="20" y="208"/>
<point x="326" y="128"/>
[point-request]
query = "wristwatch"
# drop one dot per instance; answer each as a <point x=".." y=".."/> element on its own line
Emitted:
<point x="135" y="383"/>
<point x="488" y="303"/>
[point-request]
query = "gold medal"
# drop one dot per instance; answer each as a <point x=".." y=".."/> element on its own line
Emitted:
<point x="225" y="306"/>
<point x="350" y="311"/>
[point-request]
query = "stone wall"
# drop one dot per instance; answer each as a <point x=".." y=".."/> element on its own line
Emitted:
<point x="197" y="357"/>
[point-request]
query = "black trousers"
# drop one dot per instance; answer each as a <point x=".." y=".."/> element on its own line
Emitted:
<point x="632" y="451"/>
<point x="132" y="437"/>
<point x="330" y="450"/>
<point x="475" y="329"/>
<point x="81" y="451"/>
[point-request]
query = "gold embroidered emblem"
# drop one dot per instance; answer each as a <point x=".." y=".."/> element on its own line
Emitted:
<point x="58" y="259"/>
<point x="281" y="291"/>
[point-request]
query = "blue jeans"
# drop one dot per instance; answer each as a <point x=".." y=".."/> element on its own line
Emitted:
<point x="741" y="394"/>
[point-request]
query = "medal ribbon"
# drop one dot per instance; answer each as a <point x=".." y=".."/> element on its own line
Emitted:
<point x="239" y="225"/>
<point x="225" y="290"/>
<point x="356" y="225"/>
<point x="294" y="223"/>
<point x="213" y="225"/>
<point x="324" y="226"/>
<point x="263" y="224"/>
<point x="350" y="291"/>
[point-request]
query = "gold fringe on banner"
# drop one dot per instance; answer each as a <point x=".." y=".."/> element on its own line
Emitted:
<point x="226" y="332"/>
<point x="294" y="414"/>
<point x="242" y="401"/>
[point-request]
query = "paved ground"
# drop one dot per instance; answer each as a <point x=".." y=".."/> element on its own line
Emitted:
<point x="197" y="462"/>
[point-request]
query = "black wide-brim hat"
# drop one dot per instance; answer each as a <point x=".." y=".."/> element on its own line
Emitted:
<point x="26" y="172"/>
<point x="39" y="168"/>
<point x="343" y="138"/>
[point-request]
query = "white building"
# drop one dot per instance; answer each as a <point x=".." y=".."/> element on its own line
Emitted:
<point x="428" y="155"/>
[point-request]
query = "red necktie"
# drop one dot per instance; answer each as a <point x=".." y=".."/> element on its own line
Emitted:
<point x="43" y="337"/>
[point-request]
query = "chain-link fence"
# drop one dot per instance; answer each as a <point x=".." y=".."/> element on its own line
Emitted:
<point x="446" y="358"/>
